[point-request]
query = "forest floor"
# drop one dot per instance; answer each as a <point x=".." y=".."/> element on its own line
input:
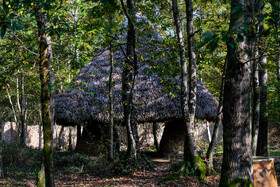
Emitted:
<point x="143" y="178"/>
<point x="21" y="167"/>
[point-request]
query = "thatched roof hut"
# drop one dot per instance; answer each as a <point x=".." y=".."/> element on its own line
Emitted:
<point x="88" y="97"/>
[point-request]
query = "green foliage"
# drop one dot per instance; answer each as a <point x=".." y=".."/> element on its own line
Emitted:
<point x="172" y="177"/>
<point x="15" y="155"/>
<point x="200" y="167"/>
<point x="236" y="182"/>
<point x="20" y="162"/>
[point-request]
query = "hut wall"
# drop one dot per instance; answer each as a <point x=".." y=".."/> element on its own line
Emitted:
<point x="145" y="132"/>
<point x="91" y="141"/>
<point x="34" y="135"/>
<point x="146" y="136"/>
<point x="9" y="132"/>
<point x="173" y="137"/>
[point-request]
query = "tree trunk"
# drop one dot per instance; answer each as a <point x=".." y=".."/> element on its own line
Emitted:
<point x="40" y="128"/>
<point x="111" y="104"/>
<point x="181" y="45"/>
<point x="218" y="123"/>
<point x="237" y="167"/>
<point x="278" y="45"/>
<point x="155" y="133"/>
<point x="1" y="161"/>
<point x="22" y="114"/>
<point x="1" y="145"/>
<point x="256" y="105"/>
<point x="70" y="147"/>
<point x="51" y="74"/>
<point x="41" y="177"/>
<point x="190" y="152"/>
<point x="12" y="106"/>
<point x="263" y="123"/>
<point x="128" y="80"/>
<point x="44" y="63"/>
<point x="258" y="5"/>
<point x="78" y="134"/>
<point x="111" y="107"/>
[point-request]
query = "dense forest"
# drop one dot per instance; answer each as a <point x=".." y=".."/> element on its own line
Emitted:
<point x="139" y="93"/>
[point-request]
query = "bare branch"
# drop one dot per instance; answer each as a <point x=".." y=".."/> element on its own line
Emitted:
<point x="22" y="45"/>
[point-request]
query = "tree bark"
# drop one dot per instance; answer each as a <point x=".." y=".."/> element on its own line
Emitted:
<point x="218" y="123"/>
<point x="155" y="133"/>
<point x="258" y="4"/>
<point x="1" y="145"/>
<point x="111" y="106"/>
<point x="78" y="134"/>
<point x="1" y="161"/>
<point x="256" y="106"/>
<point x="278" y="45"/>
<point x="190" y="151"/>
<point x="182" y="51"/>
<point x="237" y="167"/>
<point x="263" y="123"/>
<point x="12" y="105"/>
<point x="44" y="63"/>
<point x="22" y="111"/>
<point x="51" y="75"/>
<point x="128" y="80"/>
<point x="61" y="138"/>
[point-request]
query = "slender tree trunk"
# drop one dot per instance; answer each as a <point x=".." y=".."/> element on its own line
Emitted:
<point x="12" y="105"/>
<point x="78" y="134"/>
<point x="77" y="56"/>
<point x="278" y="45"/>
<point x="263" y="123"/>
<point x="111" y="101"/>
<point x="218" y="123"/>
<point x="111" y="107"/>
<point x="256" y="80"/>
<point x="181" y="45"/>
<point x="51" y="74"/>
<point x="190" y="152"/>
<point x="256" y="105"/>
<point x="70" y="148"/>
<point x="128" y="81"/>
<point x="44" y="63"/>
<point x="61" y="138"/>
<point x="155" y="133"/>
<point x="263" y="126"/>
<point x="237" y="167"/>
<point x="1" y="145"/>
<point x="22" y="115"/>
<point x="18" y="99"/>
<point x="40" y="128"/>
<point x="1" y="161"/>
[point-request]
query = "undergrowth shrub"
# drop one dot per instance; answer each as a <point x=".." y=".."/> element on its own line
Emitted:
<point x="126" y="165"/>
<point x="69" y="162"/>
<point x="20" y="161"/>
<point x="17" y="155"/>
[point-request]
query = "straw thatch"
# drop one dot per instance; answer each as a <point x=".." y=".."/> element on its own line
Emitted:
<point x="88" y="97"/>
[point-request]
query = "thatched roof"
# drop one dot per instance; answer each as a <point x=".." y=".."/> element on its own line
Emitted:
<point x="88" y="97"/>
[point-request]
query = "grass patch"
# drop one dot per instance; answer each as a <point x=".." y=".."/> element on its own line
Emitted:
<point x="274" y="152"/>
<point x="172" y="177"/>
